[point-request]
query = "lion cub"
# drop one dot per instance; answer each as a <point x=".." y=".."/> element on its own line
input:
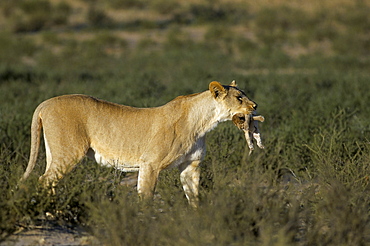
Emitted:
<point x="249" y="124"/>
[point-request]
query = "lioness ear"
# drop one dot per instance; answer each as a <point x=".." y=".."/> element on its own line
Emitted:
<point x="217" y="90"/>
<point x="233" y="83"/>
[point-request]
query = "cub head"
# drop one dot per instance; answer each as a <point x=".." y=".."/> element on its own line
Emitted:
<point x="242" y="121"/>
<point x="239" y="120"/>
<point x="232" y="98"/>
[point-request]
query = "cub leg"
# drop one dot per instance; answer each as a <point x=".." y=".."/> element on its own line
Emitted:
<point x="257" y="136"/>
<point x="248" y="138"/>
<point x="189" y="177"/>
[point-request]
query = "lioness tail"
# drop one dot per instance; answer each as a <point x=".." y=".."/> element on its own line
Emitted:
<point x="36" y="127"/>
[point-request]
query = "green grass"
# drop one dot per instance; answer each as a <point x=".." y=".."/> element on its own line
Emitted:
<point x="317" y="124"/>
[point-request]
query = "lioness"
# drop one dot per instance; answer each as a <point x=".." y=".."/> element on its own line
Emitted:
<point x="147" y="140"/>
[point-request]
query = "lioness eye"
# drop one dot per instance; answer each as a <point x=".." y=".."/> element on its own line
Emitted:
<point x="239" y="98"/>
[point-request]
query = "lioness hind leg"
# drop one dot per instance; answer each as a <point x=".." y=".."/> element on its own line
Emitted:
<point x="63" y="152"/>
<point x="58" y="164"/>
<point x="56" y="170"/>
<point x="190" y="173"/>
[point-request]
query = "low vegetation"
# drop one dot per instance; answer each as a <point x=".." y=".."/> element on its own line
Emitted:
<point x="305" y="65"/>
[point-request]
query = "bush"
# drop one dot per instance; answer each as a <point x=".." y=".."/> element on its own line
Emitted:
<point x="124" y="4"/>
<point x="32" y="16"/>
<point x="97" y="17"/>
<point x="36" y="15"/>
<point x="61" y="13"/>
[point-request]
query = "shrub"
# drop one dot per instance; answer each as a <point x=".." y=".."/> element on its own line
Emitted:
<point x="97" y="17"/>
<point x="124" y="4"/>
<point x="61" y="13"/>
<point x="37" y="15"/>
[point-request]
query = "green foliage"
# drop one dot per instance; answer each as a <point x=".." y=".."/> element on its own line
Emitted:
<point x="13" y="49"/>
<point x="274" y="25"/>
<point x="127" y="4"/>
<point x="30" y="16"/>
<point x="165" y="6"/>
<point x="97" y="17"/>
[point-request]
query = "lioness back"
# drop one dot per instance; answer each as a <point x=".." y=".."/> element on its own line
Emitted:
<point x="117" y="134"/>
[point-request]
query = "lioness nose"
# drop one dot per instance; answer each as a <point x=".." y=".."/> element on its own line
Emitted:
<point x="255" y="106"/>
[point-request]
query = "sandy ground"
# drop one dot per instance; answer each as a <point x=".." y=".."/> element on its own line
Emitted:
<point x="50" y="234"/>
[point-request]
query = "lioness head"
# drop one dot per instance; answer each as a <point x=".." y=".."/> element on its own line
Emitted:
<point x="232" y="98"/>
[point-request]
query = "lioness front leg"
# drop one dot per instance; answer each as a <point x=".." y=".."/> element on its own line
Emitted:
<point x="147" y="181"/>
<point x="189" y="177"/>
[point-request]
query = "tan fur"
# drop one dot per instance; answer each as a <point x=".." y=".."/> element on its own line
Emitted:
<point x="147" y="140"/>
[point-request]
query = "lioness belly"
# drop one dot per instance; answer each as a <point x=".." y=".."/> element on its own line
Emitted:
<point x="121" y="164"/>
